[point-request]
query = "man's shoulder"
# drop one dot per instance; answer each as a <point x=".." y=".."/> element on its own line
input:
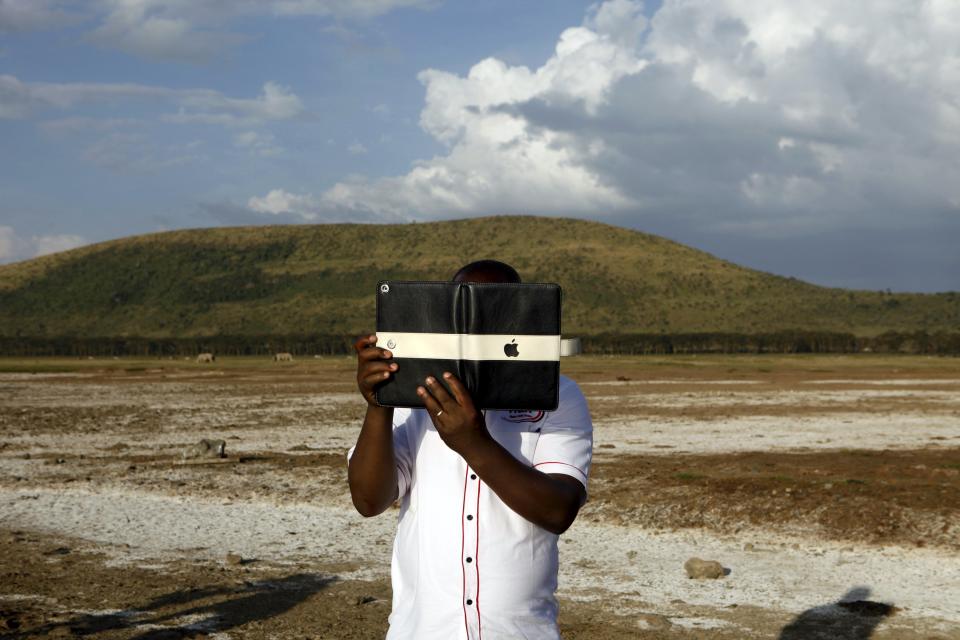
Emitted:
<point x="569" y="390"/>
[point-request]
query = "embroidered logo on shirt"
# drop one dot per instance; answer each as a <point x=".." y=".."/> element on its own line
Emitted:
<point x="524" y="416"/>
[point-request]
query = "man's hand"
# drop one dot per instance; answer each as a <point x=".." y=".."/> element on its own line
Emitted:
<point x="549" y="501"/>
<point x="457" y="420"/>
<point x="372" y="369"/>
<point x="372" y="472"/>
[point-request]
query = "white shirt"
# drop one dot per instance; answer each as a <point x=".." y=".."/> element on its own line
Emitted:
<point x="466" y="566"/>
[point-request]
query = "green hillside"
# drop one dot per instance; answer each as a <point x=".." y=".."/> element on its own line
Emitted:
<point x="321" y="279"/>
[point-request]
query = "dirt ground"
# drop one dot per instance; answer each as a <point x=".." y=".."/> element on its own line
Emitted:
<point x="828" y="486"/>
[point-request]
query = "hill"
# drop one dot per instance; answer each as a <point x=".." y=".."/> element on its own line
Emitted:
<point x="321" y="279"/>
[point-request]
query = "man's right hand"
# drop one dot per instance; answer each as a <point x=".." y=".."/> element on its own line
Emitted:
<point x="372" y="368"/>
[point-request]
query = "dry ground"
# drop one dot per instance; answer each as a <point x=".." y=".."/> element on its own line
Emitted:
<point x="812" y="478"/>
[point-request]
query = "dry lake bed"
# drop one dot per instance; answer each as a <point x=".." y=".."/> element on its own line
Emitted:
<point x="828" y="487"/>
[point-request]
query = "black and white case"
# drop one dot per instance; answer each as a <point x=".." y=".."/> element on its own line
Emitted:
<point x="501" y="340"/>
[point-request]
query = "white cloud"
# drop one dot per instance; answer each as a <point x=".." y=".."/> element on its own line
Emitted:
<point x="196" y="30"/>
<point x="21" y="99"/>
<point x="258" y="143"/>
<point x="13" y="247"/>
<point x="8" y="243"/>
<point x="43" y="245"/>
<point x="356" y="149"/>
<point x="29" y="15"/>
<point x="83" y="124"/>
<point x="131" y="27"/>
<point x="124" y="152"/>
<point x="497" y="162"/>
<point x="714" y="114"/>
<point x="279" y="202"/>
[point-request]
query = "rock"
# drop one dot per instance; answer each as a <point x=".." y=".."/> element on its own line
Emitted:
<point x="234" y="558"/>
<point x="703" y="569"/>
<point x="206" y="449"/>
<point x="653" y="621"/>
<point x="364" y="600"/>
<point x="748" y="547"/>
<point x="9" y="621"/>
<point x="59" y="551"/>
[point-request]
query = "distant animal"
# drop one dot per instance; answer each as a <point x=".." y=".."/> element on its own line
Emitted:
<point x="206" y="449"/>
<point x="283" y="357"/>
<point x="206" y="357"/>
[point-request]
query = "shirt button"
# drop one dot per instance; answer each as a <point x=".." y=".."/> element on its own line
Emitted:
<point x="469" y="601"/>
<point x="469" y="517"/>
<point x="469" y="559"/>
<point x="473" y="476"/>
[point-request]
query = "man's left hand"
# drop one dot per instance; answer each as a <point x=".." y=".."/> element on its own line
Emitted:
<point x="457" y="420"/>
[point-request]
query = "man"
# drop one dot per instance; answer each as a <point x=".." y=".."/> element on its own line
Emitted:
<point x="484" y="497"/>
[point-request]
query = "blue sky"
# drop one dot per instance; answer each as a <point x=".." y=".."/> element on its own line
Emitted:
<point x="811" y="140"/>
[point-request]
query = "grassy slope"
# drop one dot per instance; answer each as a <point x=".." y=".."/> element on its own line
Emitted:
<point x="321" y="279"/>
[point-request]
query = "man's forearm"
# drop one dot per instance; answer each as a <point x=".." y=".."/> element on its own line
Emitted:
<point x="372" y="473"/>
<point x="545" y="500"/>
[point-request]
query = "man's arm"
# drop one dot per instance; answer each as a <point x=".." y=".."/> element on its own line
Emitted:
<point x="372" y="470"/>
<point x="550" y="501"/>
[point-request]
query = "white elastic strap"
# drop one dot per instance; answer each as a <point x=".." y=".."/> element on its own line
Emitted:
<point x="470" y="346"/>
<point x="570" y="347"/>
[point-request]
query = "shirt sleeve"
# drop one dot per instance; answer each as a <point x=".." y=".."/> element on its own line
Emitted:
<point x="565" y="444"/>
<point x="403" y="420"/>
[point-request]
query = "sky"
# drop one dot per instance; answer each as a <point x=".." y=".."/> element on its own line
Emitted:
<point x="818" y="140"/>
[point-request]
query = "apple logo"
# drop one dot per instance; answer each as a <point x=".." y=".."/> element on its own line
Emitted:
<point x="510" y="349"/>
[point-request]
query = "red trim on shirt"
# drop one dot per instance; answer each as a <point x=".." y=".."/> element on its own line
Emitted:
<point x="463" y="591"/>
<point x="558" y="462"/>
<point x="476" y="562"/>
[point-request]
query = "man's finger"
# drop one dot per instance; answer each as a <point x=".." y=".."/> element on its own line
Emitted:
<point x="436" y="388"/>
<point x="459" y="391"/>
<point x="375" y="353"/>
<point x="376" y="378"/>
<point x="377" y="367"/>
<point x="361" y="343"/>
<point x="430" y="403"/>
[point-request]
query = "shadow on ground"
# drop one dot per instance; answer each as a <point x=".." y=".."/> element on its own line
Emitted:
<point x="193" y="612"/>
<point x="853" y="617"/>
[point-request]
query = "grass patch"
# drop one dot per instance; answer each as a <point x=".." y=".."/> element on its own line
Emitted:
<point x="287" y="279"/>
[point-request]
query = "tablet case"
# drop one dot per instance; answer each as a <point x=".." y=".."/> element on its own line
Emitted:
<point x="501" y="340"/>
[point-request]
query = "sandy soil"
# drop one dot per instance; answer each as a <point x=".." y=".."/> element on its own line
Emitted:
<point x="812" y="480"/>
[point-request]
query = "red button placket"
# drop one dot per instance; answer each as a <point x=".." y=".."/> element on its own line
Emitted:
<point x="468" y="554"/>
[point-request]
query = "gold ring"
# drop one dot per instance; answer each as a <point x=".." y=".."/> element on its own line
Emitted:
<point x="439" y="412"/>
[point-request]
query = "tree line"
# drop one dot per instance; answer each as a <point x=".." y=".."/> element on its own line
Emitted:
<point x="918" y="342"/>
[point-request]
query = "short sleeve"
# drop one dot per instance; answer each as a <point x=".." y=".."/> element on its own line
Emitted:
<point x="402" y="423"/>
<point x="565" y="444"/>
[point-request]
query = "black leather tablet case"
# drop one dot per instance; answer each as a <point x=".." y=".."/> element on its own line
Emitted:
<point x="501" y="340"/>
